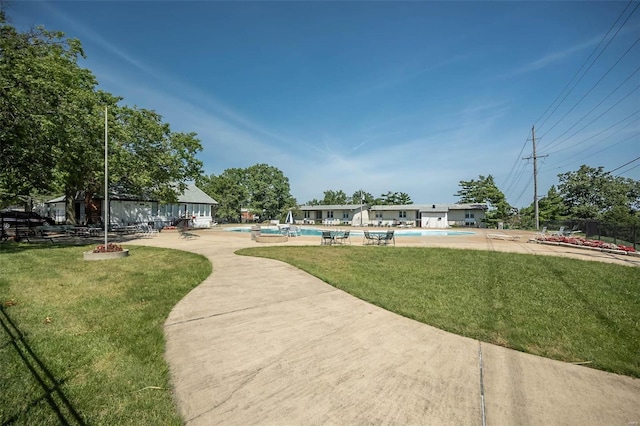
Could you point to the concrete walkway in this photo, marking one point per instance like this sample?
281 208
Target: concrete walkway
261 342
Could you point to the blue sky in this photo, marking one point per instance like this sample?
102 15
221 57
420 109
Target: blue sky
381 96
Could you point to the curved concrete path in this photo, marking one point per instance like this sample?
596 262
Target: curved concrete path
261 342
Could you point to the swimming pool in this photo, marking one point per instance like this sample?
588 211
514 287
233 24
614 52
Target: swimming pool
317 232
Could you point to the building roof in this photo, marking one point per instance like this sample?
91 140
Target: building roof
430 207
191 195
194 195
333 207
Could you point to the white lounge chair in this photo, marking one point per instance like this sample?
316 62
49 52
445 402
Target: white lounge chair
503 237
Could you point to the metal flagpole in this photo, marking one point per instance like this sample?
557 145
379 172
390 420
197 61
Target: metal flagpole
106 183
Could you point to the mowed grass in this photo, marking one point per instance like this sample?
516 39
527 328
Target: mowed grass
565 309
82 342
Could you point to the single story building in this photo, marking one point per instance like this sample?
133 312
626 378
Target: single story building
193 204
410 215
335 214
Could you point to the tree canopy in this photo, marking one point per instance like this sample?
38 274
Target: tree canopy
339 197
52 128
484 190
592 193
262 189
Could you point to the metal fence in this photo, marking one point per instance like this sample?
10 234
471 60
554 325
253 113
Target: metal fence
595 230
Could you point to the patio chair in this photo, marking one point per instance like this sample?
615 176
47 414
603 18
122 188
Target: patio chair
387 238
294 231
343 238
327 238
369 239
559 232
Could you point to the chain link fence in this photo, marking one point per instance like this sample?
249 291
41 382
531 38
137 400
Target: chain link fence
595 230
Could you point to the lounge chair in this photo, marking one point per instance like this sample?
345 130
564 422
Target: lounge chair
542 233
503 237
559 232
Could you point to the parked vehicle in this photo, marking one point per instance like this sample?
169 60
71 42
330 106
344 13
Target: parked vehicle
15 218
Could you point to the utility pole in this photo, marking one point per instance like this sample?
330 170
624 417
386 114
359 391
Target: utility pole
535 176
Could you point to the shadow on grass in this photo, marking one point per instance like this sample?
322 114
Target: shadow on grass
64 409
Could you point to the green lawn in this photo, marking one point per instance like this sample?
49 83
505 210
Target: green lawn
82 342
566 309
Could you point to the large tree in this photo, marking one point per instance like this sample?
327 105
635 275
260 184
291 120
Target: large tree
228 190
550 208
394 198
484 190
262 189
46 110
52 128
269 191
592 193
333 198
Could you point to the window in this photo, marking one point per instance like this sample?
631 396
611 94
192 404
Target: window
306 215
468 215
345 215
378 215
330 215
402 215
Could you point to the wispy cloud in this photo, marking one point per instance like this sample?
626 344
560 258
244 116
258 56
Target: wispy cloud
552 58
224 115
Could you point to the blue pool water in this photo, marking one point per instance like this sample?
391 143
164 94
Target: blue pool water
316 232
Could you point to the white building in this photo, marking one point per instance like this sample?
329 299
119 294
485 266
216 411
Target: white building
193 204
419 215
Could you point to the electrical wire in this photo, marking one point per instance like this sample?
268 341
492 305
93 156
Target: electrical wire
625 164
594 108
578 159
593 136
585 62
594 86
628 170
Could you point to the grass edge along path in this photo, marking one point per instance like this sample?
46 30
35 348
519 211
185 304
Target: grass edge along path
560 308
83 342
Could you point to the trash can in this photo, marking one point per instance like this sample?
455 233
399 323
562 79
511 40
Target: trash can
255 231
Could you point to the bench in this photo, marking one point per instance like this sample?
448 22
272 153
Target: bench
31 235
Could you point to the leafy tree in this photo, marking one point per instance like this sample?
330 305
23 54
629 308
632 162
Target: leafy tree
592 193
550 208
45 109
338 197
146 157
484 190
52 128
269 191
228 191
364 197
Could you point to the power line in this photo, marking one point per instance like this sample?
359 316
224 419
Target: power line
597 134
594 108
596 119
628 170
585 62
594 86
574 160
625 164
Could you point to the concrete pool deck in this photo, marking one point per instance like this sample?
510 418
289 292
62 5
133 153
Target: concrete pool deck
261 342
